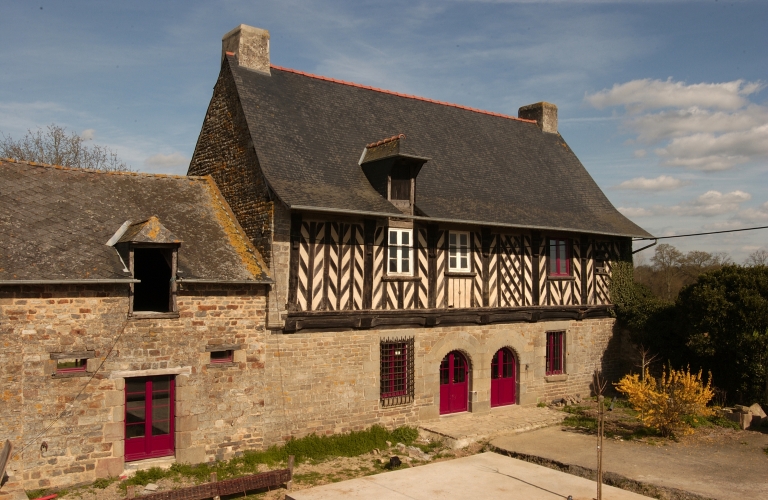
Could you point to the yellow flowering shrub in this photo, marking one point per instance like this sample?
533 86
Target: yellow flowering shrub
663 403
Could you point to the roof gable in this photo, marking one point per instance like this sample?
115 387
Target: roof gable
149 231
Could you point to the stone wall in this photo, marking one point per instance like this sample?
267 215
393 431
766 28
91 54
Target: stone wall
328 382
279 386
81 419
225 151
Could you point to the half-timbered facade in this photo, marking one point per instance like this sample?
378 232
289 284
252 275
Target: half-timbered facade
428 258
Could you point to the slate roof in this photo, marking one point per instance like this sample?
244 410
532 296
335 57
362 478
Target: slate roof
309 133
55 223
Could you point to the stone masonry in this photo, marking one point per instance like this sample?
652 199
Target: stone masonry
218 407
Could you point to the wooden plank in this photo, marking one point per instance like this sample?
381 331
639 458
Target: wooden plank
369 233
584 277
432 253
5 457
535 241
293 272
486 237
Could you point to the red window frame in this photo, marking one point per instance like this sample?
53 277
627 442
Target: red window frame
555 353
224 356
394 369
80 365
559 257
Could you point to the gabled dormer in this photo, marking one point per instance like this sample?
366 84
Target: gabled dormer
150 252
392 171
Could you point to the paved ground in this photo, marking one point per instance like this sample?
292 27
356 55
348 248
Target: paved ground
487 475
462 429
733 465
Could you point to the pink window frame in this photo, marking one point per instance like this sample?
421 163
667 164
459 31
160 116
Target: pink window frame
558 257
555 353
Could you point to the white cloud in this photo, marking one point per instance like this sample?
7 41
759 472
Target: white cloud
660 183
640 153
640 95
759 214
703 126
88 134
711 203
635 211
166 161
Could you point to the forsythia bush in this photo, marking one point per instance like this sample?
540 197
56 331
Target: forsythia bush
663 403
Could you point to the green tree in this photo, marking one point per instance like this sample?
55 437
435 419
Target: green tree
56 146
723 318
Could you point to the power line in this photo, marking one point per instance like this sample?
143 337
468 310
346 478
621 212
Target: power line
702 234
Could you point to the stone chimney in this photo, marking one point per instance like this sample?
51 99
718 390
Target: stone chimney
544 113
250 45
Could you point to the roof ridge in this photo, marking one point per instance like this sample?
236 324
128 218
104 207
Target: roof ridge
94 171
399 94
385 141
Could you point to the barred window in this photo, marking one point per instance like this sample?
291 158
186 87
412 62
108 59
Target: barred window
555 344
397 371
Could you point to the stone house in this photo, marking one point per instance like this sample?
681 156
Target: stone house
131 323
428 258
339 256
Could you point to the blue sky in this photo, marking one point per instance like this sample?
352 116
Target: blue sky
665 102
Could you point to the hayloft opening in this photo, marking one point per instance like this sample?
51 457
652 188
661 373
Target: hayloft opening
152 266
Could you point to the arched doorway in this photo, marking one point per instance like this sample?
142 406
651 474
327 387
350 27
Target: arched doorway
503 378
454 373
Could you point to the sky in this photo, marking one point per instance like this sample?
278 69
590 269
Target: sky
664 102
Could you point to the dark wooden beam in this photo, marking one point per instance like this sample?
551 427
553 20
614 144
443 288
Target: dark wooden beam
432 264
293 274
369 233
535 244
486 238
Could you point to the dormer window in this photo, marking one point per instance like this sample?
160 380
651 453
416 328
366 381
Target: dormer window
392 171
152 266
152 255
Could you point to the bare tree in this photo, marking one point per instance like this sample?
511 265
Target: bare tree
56 146
757 258
667 260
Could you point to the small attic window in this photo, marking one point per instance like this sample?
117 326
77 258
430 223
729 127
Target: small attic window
152 252
400 183
153 268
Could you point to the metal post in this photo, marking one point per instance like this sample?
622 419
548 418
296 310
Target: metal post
600 428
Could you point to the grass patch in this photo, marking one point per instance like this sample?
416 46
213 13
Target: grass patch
310 448
582 421
723 422
429 447
308 478
104 482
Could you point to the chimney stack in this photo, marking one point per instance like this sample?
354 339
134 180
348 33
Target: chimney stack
544 113
250 45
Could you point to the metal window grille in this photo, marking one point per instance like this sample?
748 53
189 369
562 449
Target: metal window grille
555 353
397 371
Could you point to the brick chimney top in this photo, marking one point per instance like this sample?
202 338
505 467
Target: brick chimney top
544 113
250 45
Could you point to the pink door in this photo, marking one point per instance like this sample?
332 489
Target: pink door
453 383
503 378
149 403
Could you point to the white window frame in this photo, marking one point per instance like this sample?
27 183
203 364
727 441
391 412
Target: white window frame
396 250
457 252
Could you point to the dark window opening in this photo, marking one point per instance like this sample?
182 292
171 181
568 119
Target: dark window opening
397 370
555 344
71 365
400 183
221 356
152 266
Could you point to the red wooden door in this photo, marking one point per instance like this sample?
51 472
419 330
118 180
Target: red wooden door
503 378
149 405
453 383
